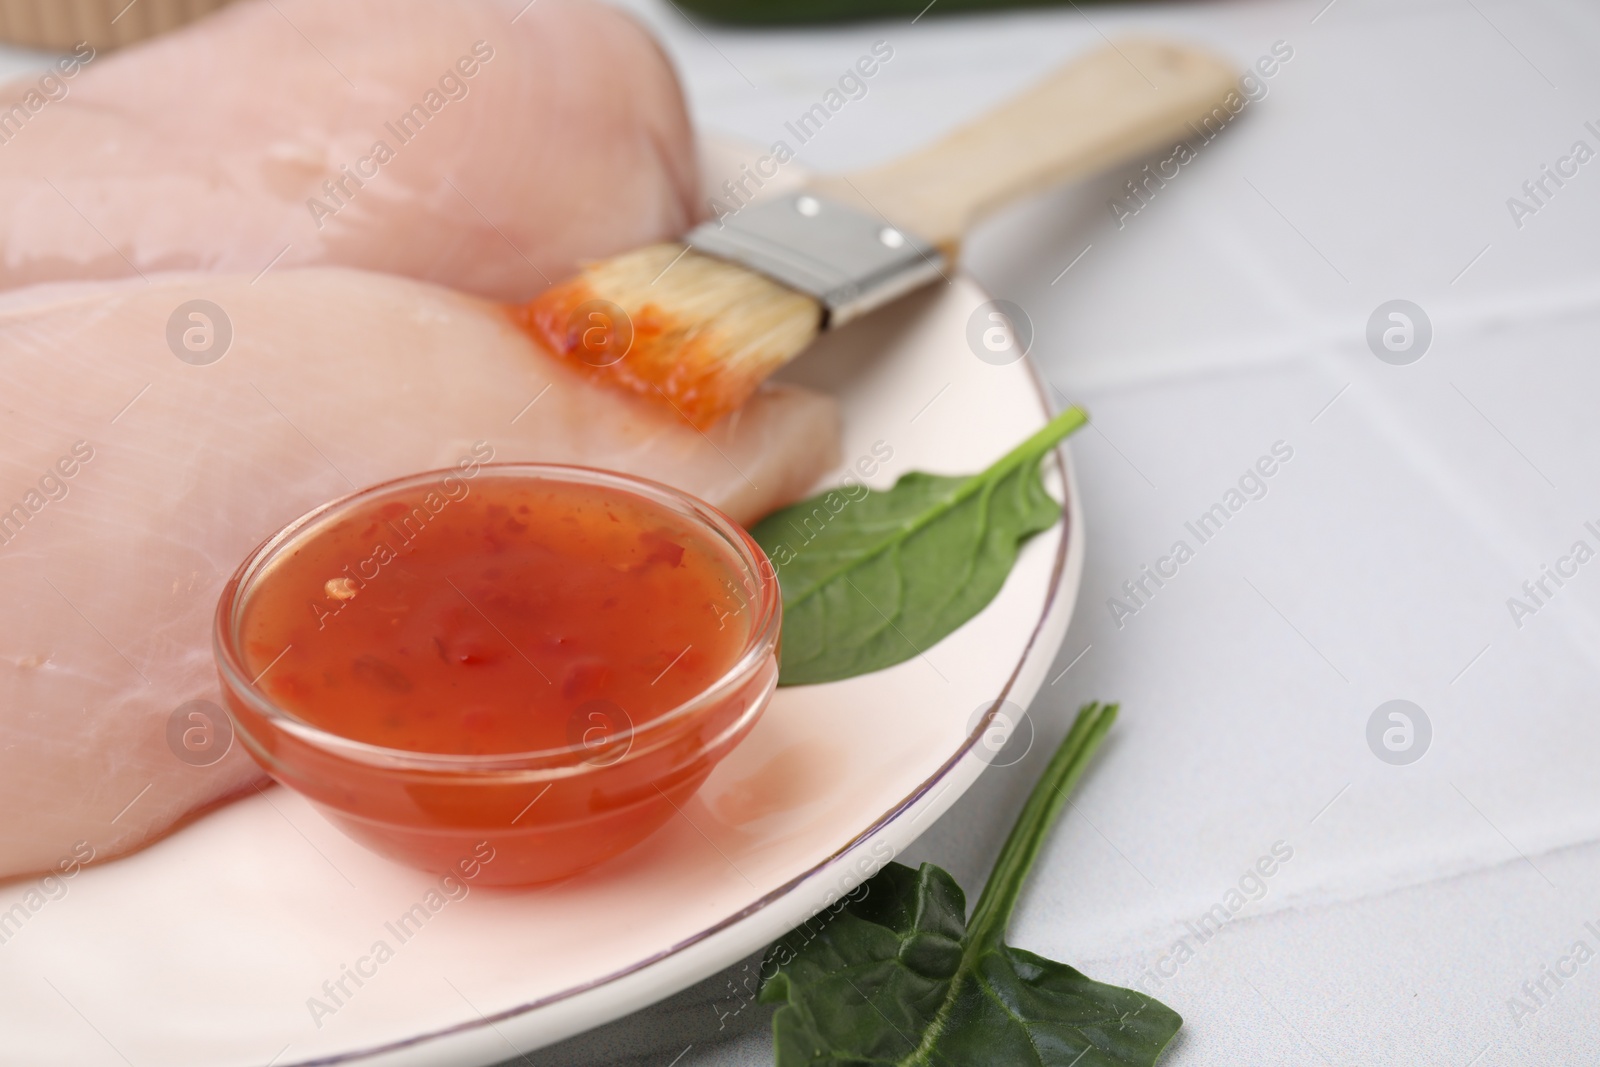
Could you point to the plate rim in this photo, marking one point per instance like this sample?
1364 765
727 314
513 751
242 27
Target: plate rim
1070 538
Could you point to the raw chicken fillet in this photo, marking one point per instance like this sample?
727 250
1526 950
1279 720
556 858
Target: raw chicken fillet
487 146
138 469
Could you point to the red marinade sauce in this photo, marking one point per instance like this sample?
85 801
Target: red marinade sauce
496 621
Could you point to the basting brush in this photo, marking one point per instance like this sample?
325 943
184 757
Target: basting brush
702 323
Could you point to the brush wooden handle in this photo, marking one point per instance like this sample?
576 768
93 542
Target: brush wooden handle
1112 106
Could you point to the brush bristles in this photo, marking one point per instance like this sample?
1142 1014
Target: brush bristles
699 332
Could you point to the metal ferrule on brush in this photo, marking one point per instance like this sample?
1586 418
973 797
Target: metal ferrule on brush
848 261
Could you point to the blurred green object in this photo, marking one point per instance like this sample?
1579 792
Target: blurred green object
778 12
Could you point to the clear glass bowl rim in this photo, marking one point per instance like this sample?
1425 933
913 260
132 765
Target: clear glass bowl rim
763 640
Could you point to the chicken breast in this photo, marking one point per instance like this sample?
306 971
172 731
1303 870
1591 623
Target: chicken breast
488 146
155 432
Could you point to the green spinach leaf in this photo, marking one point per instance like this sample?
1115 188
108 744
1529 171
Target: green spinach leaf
899 978
873 577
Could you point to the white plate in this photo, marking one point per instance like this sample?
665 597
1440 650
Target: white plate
206 949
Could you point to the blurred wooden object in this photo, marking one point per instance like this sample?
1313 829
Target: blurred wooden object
59 25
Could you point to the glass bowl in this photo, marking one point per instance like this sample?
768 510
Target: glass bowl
524 817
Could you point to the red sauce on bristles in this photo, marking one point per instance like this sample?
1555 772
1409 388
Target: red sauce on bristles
686 330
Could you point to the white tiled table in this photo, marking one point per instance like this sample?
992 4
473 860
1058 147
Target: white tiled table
1227 315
